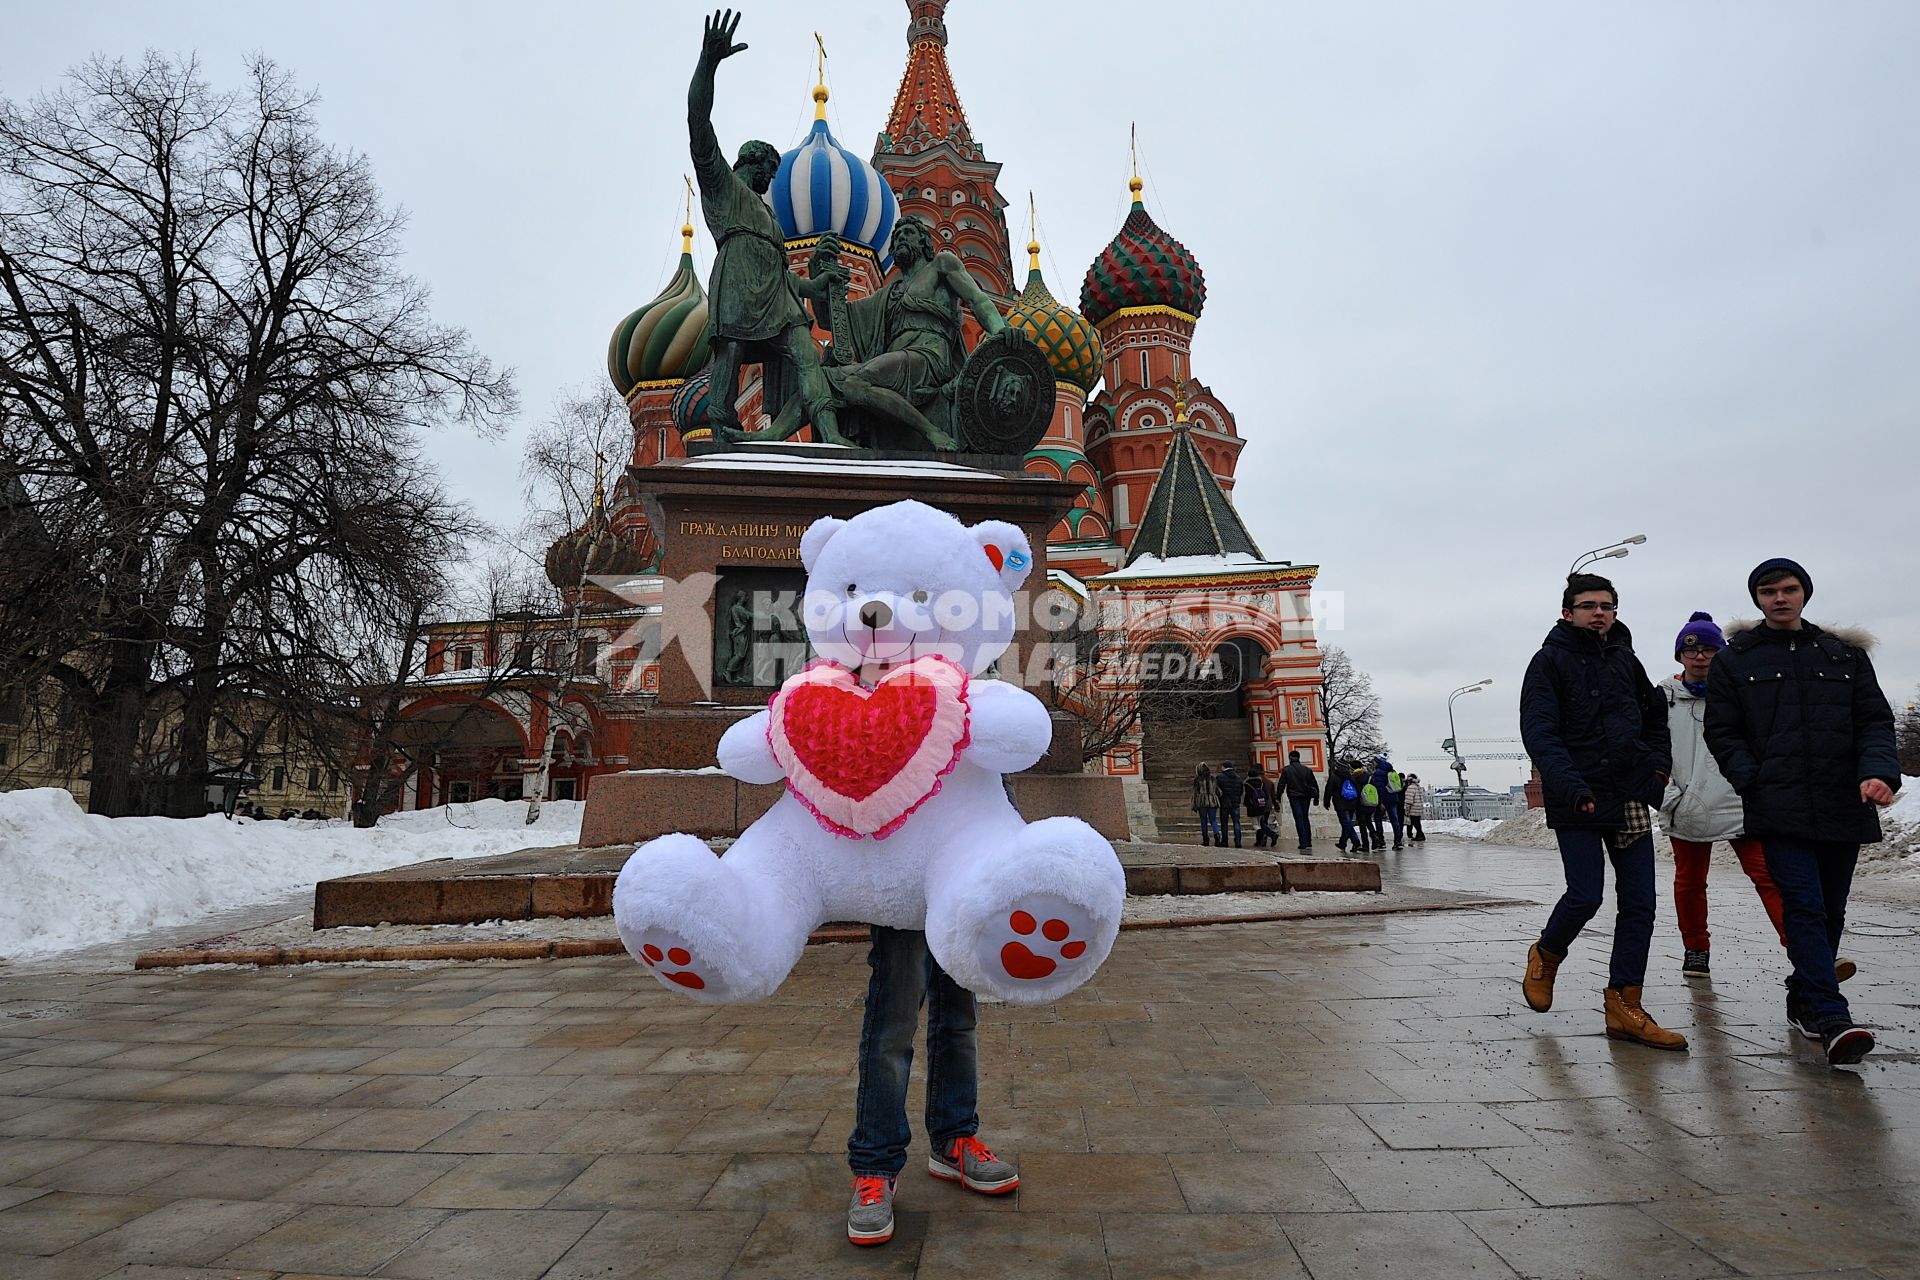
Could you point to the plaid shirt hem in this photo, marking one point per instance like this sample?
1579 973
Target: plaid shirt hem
1639 823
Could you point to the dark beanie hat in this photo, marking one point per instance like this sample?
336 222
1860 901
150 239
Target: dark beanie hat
1699 633
1766 567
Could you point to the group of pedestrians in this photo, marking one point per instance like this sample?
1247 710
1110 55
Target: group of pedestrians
1370 800
1774 736
1219 797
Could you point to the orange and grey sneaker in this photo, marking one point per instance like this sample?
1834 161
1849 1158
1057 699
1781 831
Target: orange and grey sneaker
870 1214
968 1162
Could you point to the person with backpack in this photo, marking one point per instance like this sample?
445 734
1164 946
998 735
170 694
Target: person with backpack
1344 799
1232 788
1366 810
1260 808
1302 793
1388 781
1595 726
1413 803
1797 723
1206 803
1700 806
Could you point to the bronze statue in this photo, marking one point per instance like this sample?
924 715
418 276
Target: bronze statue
896 354
754 307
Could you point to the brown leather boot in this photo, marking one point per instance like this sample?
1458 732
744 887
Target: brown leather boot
1537 986
1626 1020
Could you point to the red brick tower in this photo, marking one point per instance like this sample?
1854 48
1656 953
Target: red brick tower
928 155
1144 294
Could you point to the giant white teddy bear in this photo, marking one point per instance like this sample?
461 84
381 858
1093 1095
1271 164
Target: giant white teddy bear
892 747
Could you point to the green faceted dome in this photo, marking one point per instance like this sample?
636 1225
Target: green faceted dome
1143 266
667 338
1072 346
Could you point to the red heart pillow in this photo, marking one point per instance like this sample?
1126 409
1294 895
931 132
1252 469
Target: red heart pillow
863 759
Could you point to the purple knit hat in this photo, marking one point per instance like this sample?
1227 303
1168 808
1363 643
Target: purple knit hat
1699 633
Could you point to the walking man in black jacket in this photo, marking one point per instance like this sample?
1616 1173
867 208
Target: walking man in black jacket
1232 788
1302 793
1797 723
1597 730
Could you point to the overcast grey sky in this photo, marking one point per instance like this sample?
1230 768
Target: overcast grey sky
1489 283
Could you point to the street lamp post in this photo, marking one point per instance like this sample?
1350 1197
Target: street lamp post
1459 765
1612 551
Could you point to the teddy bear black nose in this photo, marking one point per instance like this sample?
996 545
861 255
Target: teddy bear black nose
875 614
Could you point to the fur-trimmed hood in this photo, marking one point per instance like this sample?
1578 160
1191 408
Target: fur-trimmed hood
1859 637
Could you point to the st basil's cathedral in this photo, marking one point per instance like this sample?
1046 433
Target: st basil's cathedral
1153 542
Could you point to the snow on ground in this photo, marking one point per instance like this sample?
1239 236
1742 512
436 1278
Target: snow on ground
1463 828
1897 854
69 879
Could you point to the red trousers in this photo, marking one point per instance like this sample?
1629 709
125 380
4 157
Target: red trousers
1690 860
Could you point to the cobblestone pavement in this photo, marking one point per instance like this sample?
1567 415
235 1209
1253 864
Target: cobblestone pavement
1348 1097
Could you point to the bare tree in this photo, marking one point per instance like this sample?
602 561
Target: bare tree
1351 709
392 746
1110 682
586 432
211 363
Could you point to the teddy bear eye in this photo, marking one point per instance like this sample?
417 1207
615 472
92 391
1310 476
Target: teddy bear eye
920 597
852 590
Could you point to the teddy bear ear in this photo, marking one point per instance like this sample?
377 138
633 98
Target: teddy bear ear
1006 549
815 539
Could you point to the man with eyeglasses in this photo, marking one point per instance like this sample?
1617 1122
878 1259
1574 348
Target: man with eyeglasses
1798 724
1597 730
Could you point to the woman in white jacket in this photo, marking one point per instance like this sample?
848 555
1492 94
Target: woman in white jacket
1701 806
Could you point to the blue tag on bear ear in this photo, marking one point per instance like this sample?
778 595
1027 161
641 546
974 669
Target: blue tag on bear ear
1016 560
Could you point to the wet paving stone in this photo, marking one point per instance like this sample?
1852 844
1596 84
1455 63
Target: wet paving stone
1358 1096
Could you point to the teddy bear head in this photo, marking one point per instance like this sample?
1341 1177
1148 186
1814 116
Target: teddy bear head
907 580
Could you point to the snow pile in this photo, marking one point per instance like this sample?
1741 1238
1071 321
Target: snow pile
1897 853
70 879
1899 849
1525 830
1464 828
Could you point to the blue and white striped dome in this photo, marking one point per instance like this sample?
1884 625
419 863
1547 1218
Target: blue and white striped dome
822 186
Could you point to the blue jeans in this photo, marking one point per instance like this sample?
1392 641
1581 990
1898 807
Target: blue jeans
1233 813
1584 856
1349 833
904 978
1814 878
1209 825
1393 815
1301 827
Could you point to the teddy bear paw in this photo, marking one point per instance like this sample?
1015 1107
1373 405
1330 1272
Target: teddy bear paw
673 961
1040 938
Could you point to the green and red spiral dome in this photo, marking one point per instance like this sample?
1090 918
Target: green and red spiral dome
1143 266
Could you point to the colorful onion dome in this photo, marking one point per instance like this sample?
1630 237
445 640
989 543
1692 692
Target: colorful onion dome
595 549
589 553
821 186
688 408
1072 346
1142 267
667 338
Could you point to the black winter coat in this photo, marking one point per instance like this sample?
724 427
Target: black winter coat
1231 787
1299 783
1796 722
1594 725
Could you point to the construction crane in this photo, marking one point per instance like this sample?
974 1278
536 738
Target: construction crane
1448 747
